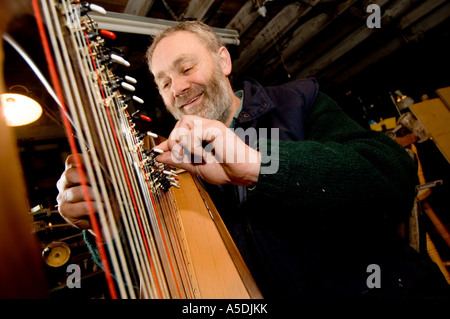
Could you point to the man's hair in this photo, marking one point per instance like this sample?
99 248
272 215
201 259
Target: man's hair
200 29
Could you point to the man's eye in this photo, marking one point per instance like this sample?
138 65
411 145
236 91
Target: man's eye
187 70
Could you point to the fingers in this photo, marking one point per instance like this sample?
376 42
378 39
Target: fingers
74 207
71 177
77 214
74 160
173 160
163 146
75 194
72 203
193 139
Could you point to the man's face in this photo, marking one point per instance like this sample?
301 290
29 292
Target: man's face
190 78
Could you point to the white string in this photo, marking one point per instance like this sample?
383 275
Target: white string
73 100
114 159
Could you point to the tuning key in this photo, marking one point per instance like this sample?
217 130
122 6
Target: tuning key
135 116
175 185
138 99
130 79
157 151
128 86
86 7
118 59
108 34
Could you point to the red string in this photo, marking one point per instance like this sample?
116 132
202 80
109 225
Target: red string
73 148
127 178
159 223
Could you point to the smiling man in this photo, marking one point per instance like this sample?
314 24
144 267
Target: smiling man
191 80
311 228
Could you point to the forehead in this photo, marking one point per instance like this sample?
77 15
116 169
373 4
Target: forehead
179 45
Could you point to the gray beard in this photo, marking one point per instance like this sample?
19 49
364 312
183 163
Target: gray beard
218 102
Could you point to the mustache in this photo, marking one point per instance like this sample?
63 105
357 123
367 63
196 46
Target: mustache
189 96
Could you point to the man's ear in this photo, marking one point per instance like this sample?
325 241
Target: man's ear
225 60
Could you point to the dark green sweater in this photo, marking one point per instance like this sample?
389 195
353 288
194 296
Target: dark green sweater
340 164
331 209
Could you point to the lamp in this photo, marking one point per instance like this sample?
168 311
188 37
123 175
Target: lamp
20 109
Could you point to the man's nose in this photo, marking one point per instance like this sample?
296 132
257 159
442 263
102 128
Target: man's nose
180 86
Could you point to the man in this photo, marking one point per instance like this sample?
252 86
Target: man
316 225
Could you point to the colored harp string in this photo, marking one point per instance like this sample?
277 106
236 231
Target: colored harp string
134 218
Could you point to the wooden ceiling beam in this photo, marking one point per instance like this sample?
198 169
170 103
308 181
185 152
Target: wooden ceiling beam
429 22
302 35
351 41
274 30
419 12
197 9
245 17
138 7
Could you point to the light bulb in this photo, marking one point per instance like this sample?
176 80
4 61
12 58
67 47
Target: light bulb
20 109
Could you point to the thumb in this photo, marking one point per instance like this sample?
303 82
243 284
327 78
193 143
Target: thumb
164 146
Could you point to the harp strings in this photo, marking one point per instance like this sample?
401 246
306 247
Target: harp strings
135 208
74 101
58 89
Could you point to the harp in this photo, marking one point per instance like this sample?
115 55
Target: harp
157 231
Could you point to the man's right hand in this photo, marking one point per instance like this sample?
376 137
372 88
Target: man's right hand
72 204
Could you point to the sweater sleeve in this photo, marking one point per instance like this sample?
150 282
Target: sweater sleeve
92 246
339 165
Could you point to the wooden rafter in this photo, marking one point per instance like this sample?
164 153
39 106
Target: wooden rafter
274 30
352 40
244 18
138 7
197 9
303 34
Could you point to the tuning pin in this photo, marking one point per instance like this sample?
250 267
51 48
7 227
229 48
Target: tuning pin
170 173
92 34
175 185
165 185
138 99
168 181
115 85
97 9
118 59
126 99
149 160
152 134
86 7
140 136
152 153
140 143
107 59
135 116
108 34
128 86
130 79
